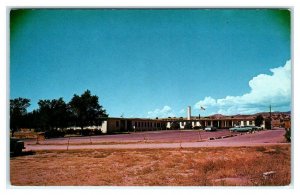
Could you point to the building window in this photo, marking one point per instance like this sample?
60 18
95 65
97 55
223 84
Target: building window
117 123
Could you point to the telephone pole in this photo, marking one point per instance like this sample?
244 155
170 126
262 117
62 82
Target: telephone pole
270 116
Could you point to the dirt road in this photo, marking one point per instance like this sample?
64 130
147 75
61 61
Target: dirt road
161 139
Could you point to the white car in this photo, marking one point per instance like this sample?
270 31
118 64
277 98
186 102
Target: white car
210 128
257 128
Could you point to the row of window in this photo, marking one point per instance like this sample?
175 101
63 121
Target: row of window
147 124
143 124
150 124
227 122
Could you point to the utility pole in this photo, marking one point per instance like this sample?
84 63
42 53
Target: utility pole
270 116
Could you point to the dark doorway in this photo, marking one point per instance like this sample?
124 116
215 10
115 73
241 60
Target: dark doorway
215 124
129 126
229 124
122 125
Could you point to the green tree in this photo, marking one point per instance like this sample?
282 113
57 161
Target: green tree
53 114
44 114
32 120
259 120
86 109
59 113
18 109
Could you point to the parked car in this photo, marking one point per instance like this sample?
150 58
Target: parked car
256 128
240 129
210 128
197 127
16 146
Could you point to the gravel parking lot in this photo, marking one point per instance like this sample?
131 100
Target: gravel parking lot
161 139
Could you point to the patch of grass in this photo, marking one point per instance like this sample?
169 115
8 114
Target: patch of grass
158 167
260 149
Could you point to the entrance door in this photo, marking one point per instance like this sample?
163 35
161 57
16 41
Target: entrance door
122 125
129 126
215 124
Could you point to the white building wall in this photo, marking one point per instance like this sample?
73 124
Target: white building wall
264 124
168 124
104 127
182 125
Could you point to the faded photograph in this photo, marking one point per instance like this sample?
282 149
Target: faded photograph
150 97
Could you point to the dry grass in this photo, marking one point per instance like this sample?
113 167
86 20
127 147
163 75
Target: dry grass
148 167
25 135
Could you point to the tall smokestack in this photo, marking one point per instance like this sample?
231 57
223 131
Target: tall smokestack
188 113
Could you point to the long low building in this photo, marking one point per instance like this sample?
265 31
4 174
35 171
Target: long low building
219 122
113 124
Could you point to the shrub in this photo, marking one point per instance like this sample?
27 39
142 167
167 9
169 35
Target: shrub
70 131
97 132
54 134
86 132
287 134
259 120
268 124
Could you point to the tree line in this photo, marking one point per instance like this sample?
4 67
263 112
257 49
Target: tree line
81 111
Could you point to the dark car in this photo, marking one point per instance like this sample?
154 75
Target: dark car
16 146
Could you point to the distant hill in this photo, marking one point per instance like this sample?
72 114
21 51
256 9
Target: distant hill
276 112
264 114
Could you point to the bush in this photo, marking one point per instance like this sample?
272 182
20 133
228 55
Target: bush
287 134
97 132
268 124
259 120
70 131
86 132
54 134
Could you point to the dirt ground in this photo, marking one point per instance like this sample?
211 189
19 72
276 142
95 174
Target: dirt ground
203 166
160 139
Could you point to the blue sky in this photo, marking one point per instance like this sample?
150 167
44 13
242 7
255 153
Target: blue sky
148 63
